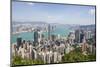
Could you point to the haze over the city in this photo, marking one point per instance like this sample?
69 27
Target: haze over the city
53 13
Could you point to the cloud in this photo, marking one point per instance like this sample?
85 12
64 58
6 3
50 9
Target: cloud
54 18
31 3
50 17
92 11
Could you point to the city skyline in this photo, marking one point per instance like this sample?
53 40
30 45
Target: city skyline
53 13
39 33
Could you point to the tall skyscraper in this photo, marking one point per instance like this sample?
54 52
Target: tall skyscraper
81 37
19 41
36 36
88 34
71 37
77 36
53 37
49 31
40 38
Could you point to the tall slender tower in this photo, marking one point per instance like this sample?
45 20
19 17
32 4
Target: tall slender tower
36 36
77 36
49 31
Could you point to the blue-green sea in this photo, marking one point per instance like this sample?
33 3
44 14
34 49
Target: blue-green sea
60 29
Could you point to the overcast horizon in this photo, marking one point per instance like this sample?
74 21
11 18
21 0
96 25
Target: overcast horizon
53 13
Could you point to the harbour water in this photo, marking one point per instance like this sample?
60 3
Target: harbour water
62 30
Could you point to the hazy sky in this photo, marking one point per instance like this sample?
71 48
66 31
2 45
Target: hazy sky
53 13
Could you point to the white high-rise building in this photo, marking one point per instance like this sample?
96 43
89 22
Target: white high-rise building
67 49
30 51
35 54
43 56
24 46
88 34
55 57
23 52
19 51
50 55
59 57
47 57
40 36
59 36
27 53
14 50
62 48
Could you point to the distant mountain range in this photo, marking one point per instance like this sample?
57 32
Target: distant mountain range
35 22
40 22
92 25
88 26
